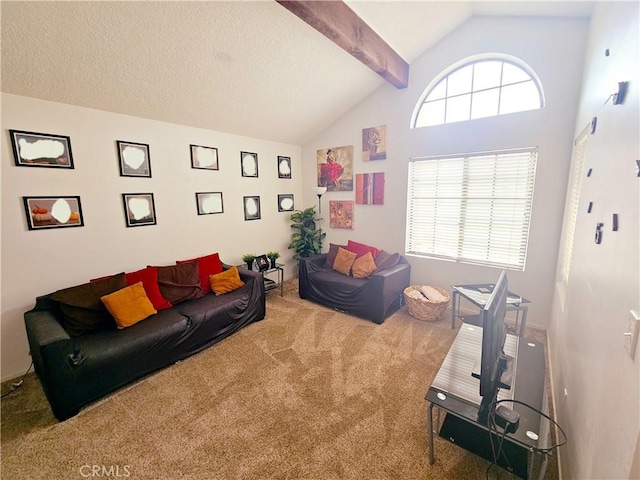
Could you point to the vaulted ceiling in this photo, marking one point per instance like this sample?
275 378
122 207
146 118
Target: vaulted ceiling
247 68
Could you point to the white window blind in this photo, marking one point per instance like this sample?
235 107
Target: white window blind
573 198
473 208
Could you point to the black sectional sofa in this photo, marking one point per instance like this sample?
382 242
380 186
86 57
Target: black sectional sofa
77 370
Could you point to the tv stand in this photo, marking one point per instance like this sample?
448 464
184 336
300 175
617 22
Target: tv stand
456 392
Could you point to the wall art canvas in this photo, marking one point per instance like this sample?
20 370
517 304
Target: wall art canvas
53 212
32 149
374 143
335 168
285 202
370 188
249 164
204 157
251 208
341 214
209 203
284 167
134 159
139 209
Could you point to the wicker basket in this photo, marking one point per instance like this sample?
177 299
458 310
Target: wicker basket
425 309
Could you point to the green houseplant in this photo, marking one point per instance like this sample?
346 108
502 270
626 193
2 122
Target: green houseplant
273 256
306 239
248 259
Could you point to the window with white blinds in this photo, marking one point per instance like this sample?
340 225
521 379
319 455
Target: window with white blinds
473 208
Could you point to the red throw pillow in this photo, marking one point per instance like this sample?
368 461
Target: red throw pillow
361 249
149 278
207 265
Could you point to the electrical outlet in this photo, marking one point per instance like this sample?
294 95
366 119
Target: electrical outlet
631 333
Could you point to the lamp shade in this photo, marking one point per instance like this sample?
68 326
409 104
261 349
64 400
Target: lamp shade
321 191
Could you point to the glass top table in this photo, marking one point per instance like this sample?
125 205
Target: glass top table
478 294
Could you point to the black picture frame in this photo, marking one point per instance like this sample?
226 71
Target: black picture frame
139 214
204 158
249 164
284 167
251 205
134 159
262 262
209 203
45 212
54 151
285 202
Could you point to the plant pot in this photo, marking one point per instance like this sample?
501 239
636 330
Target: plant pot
273 262
250 265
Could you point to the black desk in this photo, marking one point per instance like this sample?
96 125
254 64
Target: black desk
456 392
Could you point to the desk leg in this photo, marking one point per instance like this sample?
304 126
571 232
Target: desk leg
454 296
281 279
524 320
430 428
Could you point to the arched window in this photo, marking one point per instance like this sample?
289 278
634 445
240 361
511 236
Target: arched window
479 86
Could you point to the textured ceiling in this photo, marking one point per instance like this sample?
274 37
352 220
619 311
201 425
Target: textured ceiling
248 68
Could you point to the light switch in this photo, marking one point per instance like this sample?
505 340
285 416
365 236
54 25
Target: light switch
631 333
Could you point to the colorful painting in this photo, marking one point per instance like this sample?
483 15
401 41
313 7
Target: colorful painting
370 188
374 143
335 168
53 212
32 149
341 214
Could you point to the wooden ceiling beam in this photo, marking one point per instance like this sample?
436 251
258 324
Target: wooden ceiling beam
336 21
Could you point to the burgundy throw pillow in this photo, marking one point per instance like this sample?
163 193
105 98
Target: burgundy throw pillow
149 278
386 260
179 282
331 254
207 265
361 249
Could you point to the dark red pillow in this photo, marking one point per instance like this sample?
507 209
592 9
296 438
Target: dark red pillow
386 260
207 265
149 278
331 254
361 249
179 282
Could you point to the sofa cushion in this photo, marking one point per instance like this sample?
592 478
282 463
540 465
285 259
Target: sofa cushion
386 260
225 282
331 254
180 282
360 249
364 266
129 305
344 260
207 265
149 278
81 307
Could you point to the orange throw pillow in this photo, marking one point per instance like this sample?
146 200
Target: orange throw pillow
344 260
226 282
129 305
363 266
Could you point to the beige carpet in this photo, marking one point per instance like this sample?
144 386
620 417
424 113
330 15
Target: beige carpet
308 393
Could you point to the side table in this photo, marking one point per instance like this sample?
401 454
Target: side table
270 284
478 294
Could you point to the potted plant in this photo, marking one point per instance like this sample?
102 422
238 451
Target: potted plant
306 240
273 256
249 258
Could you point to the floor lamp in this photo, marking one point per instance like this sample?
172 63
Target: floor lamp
319 192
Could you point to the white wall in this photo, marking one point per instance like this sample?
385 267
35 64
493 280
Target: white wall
601 412
554 49
38 262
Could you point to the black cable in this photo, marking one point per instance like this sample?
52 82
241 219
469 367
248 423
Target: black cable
541 450
491 425
17 385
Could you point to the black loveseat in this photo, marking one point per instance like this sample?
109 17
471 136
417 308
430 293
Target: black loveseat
373 298
76 370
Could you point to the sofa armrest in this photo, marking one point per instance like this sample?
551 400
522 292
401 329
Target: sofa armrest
306 265
388 287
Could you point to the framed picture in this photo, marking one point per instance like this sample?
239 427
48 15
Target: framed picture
134 159
32 149
335 168
53 212
341 214
374 143
205 158
285 202
249 164
370 188
209 203
251 208
139 209
262 262
284 167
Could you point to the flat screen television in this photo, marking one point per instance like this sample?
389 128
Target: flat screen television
495 369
